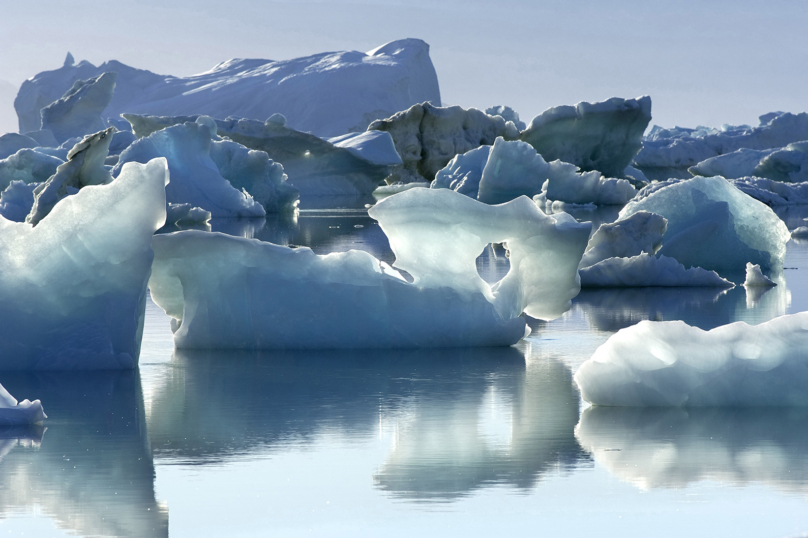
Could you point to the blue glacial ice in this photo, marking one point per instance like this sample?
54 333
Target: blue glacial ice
73 291
78 111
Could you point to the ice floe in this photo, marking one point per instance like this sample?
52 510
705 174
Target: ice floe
673 364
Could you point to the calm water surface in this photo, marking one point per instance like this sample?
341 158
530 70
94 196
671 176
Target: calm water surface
467 442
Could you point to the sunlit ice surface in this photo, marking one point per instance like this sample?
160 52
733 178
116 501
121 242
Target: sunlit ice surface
405 442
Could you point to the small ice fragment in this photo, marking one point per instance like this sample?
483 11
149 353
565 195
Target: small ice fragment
755 277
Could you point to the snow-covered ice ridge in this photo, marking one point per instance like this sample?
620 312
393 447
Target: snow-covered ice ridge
328 94
73 291
673 364
228 292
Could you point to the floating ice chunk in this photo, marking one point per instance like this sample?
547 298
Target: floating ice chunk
601 136
464 172
328 94
427 137
11 143
228 292
195 179
376 147
186 214
733 165
78 112
667 153
17 200
647 270
673 364
253 171
789 164
28 166
713 225
773 193
635 174
511 169
13 413
84 166
507 114
73 290
389 190
639 233
755 277
800 232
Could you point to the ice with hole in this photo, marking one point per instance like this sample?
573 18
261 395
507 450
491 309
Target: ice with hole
670 363
73 291
713 225
14 413
230 292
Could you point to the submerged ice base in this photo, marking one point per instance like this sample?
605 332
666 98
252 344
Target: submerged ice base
228 292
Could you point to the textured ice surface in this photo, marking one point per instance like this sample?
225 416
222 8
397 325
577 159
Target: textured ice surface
648 270
376 147
84 166
28 166
73 291
195 179
228 292
510 169
328 94
17 200
11 143
427 137
755 277
601 136
78 112
713 225
638 233
507 114
733 165
673 364
773 193
674 151
789 164
14 413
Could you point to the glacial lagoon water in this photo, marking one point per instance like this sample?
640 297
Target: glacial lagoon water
463 442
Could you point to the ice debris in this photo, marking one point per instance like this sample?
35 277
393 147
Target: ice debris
755 277
228 292
601 136
659 364
14 413
73 291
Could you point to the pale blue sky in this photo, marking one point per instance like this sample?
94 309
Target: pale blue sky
702 62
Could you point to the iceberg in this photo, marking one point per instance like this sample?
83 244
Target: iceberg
661 364
789 164
73 291
755 277
713 225
427 137
195 179
669 153
328 94
637 233
11 143
773 193
14 413
507 114
510 169
800 232
229 292
28 166
740 163
601 136
645 270
78 112
84 166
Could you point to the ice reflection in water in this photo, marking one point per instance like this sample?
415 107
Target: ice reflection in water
462 418
91 471
672 448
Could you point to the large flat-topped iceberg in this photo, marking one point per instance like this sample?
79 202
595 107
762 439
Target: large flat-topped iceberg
73 291
427 137
712 224
658 364
328 94
601 136
228 292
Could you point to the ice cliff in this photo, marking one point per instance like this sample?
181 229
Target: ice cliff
228 292
328 94
73 291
